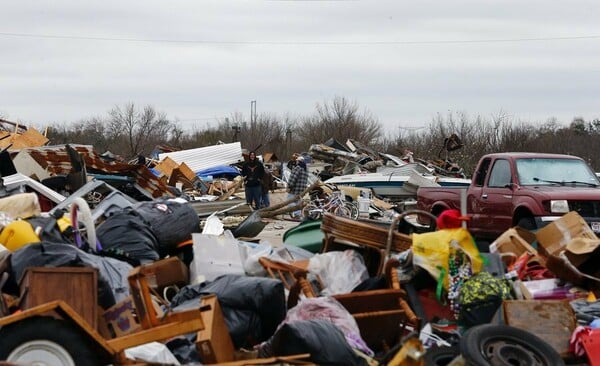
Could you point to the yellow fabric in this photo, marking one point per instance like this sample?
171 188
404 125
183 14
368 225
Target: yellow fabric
431 251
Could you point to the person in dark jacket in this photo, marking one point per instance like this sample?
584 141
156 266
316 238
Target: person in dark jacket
253 172
267 184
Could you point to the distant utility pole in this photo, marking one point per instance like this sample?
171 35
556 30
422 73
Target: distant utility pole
253 111
288 140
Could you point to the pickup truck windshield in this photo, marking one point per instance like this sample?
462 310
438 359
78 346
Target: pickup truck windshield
555 171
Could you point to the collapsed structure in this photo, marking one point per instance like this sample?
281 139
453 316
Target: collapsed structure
105 262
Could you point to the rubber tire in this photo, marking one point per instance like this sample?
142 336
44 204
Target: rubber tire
53 330
311 212
476 347
441 356
354 213
342 211
527 223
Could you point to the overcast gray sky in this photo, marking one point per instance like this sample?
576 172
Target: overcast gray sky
403 61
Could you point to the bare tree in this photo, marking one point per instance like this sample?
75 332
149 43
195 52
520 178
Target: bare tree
139 130
339 119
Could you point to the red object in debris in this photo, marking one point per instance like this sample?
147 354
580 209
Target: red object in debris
450 219
591 343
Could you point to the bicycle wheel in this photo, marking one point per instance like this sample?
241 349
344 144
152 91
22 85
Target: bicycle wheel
342 211
353 207
311 212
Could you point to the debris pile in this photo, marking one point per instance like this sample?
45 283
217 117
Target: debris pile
107 262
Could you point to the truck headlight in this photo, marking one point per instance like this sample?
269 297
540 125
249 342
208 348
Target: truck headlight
559 206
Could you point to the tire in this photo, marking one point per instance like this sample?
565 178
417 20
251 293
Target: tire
354 213
311 212
527 223
491 344
441 356
47 341
342 211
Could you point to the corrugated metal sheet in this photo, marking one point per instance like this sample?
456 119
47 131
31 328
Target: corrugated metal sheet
207 157
55 160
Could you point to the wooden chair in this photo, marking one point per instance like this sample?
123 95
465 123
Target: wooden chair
381 315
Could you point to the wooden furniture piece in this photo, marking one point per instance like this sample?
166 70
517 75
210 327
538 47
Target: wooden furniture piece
76 286
369 239
381 315
213 343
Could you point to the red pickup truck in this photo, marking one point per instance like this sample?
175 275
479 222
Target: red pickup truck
525 189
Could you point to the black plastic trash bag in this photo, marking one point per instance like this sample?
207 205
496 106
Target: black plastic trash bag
112 274
127 236
322 339
253 307
172 222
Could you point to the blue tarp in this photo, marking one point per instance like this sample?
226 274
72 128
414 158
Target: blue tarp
220 171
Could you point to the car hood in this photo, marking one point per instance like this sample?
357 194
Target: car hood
566 192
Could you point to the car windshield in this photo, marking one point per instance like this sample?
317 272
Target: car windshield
553 171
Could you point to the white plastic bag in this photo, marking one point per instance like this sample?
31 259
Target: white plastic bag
253 253
153 352
213 226
340 272
215 256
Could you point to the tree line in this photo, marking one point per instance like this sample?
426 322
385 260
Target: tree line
130 131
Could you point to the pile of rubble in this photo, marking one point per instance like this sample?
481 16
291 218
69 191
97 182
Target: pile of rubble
106 262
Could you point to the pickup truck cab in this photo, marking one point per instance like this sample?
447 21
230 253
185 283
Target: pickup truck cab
525 189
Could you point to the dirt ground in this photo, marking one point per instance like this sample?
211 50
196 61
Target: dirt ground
276 227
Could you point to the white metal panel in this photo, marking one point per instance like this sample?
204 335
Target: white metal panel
207 157
16 181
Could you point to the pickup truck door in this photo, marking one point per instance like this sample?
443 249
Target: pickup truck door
494 204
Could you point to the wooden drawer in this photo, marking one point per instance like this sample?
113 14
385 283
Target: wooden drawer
76 286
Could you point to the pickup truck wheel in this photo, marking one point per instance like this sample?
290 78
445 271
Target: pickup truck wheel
527 223
45 341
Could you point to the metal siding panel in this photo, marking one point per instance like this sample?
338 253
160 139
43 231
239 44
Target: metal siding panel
208 156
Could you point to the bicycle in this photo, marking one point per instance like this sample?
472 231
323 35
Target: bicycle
335 204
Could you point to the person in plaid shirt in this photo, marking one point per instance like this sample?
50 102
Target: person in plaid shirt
297 183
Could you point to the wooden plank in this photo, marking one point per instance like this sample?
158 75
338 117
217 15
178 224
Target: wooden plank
166 166
76 286
29 138
214 343
64 311
158 333
187 172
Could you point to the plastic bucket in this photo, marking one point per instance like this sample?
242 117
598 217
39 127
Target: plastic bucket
17 234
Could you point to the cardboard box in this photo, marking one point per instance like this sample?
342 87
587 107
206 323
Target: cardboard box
551 320
554 237
120 318
515 240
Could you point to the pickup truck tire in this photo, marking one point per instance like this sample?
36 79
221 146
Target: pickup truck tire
492 344
527 223
46 341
